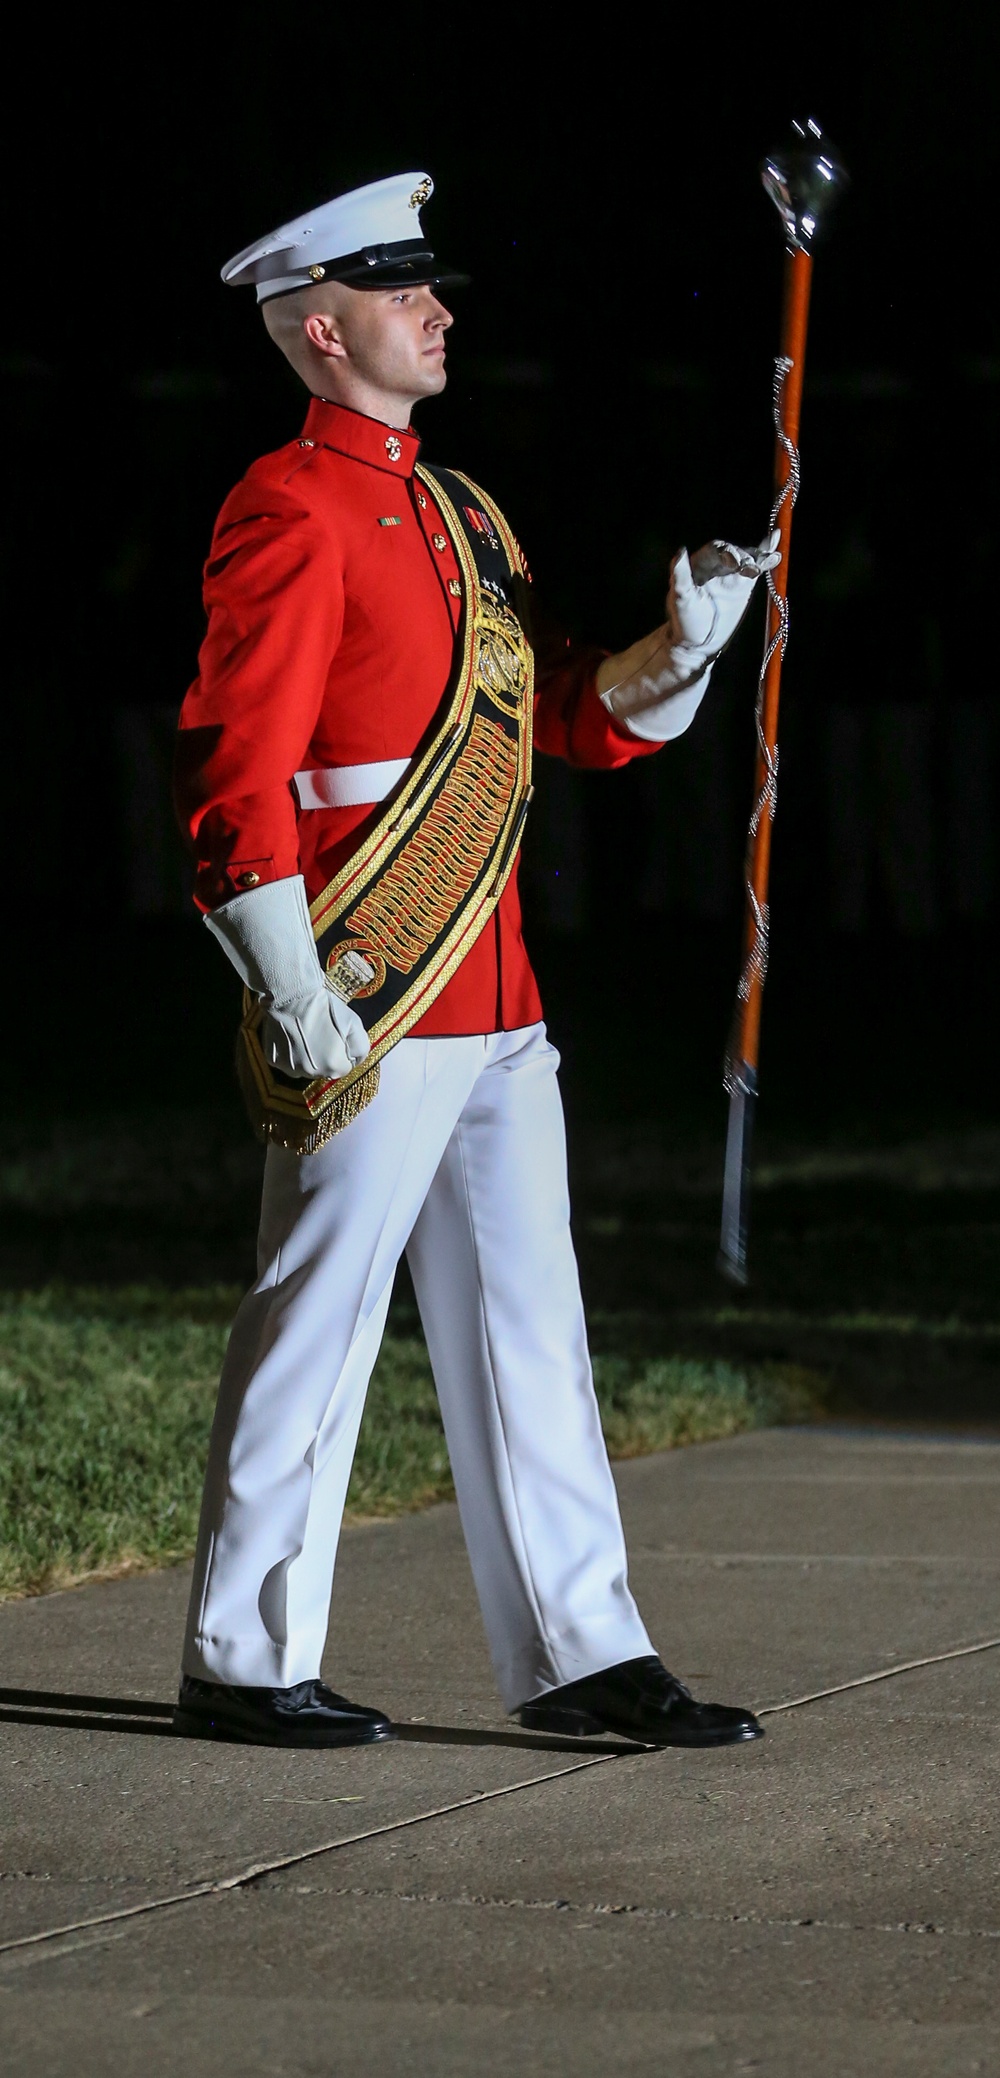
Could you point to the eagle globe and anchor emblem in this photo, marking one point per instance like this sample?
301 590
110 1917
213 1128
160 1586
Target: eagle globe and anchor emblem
500 665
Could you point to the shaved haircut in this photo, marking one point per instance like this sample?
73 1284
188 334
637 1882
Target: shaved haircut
284 317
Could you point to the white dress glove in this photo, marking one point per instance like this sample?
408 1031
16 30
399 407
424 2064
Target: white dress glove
306 1030
660 683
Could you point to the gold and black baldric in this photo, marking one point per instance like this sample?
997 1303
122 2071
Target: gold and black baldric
396 921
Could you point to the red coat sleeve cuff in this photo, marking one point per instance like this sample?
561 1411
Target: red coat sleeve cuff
572 723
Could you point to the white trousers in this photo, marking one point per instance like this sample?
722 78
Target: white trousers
461 1161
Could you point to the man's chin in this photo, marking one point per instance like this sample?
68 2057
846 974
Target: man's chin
431 385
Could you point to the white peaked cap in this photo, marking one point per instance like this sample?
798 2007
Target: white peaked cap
370 238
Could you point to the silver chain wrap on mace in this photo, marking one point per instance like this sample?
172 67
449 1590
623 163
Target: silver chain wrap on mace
755 964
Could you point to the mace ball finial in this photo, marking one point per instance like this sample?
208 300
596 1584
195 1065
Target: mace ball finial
804 178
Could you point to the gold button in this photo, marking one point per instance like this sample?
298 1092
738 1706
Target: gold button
307 443
421 501
247 879
440 541
454 587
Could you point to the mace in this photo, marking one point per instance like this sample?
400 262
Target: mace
803 181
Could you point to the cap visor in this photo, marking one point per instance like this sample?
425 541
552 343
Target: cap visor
400 274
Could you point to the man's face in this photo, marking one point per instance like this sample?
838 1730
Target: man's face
394 339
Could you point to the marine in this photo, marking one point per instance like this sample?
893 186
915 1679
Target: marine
353 772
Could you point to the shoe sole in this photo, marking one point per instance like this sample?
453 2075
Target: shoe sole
189 1725
578 1724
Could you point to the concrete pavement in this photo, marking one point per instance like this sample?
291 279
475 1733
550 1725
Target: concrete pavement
823 1902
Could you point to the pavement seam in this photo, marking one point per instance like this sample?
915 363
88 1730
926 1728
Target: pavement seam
724 1560
215 1887
932 1659
604 1910
219 1886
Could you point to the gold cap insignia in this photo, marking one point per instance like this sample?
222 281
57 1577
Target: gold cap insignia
316 273
422 193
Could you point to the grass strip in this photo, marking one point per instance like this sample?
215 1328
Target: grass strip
106 1400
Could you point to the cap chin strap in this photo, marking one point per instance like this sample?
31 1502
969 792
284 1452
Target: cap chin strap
376 260
407 263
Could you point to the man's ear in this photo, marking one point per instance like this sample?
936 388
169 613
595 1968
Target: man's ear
322 332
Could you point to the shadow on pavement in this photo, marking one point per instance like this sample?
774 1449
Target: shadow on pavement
154 1720
532 1742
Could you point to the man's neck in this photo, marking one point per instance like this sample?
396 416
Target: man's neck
382 405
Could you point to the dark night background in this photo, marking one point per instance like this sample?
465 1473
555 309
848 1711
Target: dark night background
610 384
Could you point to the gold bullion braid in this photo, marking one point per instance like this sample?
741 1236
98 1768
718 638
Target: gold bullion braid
416 899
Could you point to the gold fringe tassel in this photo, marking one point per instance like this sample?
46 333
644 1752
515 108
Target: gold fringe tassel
302 1134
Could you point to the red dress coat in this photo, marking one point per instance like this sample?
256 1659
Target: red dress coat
331 641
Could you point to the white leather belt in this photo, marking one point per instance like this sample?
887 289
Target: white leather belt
349 786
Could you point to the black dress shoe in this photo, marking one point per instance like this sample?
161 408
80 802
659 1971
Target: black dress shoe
638 1700
308 1714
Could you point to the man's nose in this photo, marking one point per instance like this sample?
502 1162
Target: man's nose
440 318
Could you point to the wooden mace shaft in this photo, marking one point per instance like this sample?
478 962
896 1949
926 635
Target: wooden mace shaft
745 1043
795 318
